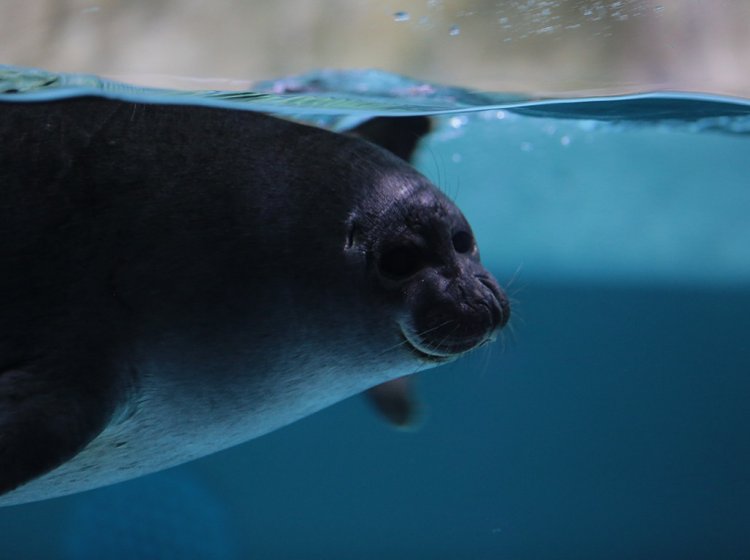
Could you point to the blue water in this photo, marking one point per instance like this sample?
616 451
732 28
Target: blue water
612 422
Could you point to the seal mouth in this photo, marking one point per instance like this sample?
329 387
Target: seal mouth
445 331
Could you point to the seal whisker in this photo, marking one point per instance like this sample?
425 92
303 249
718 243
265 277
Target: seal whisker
406 342
507 337
438 169
487 360
437 345
446 336
436 327
393 347
514 277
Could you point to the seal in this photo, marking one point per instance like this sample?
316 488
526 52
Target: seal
180 279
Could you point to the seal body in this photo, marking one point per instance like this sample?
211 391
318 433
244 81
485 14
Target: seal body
177 280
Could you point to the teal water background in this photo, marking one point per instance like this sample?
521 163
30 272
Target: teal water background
612 422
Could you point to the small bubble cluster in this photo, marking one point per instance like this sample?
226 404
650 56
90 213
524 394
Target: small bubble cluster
527 18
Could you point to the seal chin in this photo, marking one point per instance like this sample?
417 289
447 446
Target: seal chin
422 351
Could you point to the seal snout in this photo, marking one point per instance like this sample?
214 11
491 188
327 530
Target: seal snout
448 320
501 306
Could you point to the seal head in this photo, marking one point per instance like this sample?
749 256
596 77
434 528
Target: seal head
424 259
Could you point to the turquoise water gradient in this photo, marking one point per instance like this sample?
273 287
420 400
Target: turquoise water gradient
582 200
611 421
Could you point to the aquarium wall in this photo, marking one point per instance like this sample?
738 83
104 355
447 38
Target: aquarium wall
530 46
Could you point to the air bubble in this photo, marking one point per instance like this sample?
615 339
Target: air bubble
458 121
454 30
401 16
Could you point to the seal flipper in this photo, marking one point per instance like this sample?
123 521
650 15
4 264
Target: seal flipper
395 401
44 421
398 135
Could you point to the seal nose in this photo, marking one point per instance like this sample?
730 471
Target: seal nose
500 307
462 314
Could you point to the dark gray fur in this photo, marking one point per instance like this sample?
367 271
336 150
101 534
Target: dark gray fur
170 273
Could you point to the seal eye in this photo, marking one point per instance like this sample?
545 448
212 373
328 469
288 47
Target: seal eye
401 262
463 242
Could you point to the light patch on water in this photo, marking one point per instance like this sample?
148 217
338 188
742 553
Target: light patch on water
604 201
458 121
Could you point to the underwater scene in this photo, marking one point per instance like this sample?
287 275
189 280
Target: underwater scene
607 417
610 420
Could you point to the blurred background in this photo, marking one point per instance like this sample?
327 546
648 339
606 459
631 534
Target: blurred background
535 46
